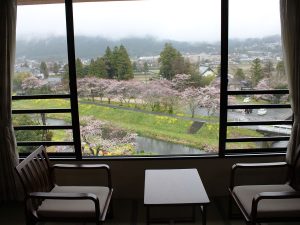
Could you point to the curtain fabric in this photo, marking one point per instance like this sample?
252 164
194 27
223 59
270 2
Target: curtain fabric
8 154
290 32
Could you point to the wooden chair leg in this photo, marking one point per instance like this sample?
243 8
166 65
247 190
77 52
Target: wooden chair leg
110 213
30 221
230 207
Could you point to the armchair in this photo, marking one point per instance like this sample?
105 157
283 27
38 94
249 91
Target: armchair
267 203
47 201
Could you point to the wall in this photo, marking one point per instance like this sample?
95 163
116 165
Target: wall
128 175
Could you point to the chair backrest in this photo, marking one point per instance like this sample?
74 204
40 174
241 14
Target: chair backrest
34 172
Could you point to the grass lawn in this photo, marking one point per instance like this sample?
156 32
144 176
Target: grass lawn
178 110
155 126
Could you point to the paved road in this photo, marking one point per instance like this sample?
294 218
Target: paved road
272 114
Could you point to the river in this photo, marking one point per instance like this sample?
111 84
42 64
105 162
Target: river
158 147
151 145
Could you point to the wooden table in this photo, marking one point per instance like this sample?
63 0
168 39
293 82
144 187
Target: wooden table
174 187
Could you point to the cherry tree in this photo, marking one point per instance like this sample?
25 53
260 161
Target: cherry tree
102 85
210 99
83 87
191 97
151 96
181 81
264 84
169 99
32 84
102 138
156 93
111 91
133 90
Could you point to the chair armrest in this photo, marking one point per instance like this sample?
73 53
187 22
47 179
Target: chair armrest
82 166
271 195
86 166
237 166
67 196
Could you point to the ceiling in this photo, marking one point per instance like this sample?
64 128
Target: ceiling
34 2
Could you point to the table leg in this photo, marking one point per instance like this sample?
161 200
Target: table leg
148 215
194 213
203 211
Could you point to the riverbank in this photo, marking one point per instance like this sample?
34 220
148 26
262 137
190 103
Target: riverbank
161 127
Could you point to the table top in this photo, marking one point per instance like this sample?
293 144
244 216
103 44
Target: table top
174 186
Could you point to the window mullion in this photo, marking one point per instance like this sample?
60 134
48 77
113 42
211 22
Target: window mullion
72 78
224 77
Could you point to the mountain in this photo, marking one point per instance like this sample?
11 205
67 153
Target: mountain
55 48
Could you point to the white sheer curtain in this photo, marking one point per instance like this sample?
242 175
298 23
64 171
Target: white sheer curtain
290 32
8 154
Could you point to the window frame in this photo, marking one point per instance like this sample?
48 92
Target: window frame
224 106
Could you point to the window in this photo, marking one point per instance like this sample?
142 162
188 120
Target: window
259 115
146 77
130 78
41 106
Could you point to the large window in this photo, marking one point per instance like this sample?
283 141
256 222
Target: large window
149 78
257 100
41 106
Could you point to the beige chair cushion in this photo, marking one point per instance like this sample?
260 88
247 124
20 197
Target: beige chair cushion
268 208
73 208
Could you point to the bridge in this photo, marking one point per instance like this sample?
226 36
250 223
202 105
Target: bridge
275 129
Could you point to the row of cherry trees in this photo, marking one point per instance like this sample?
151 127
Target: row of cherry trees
157 95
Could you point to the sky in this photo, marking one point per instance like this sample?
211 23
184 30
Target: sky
181 20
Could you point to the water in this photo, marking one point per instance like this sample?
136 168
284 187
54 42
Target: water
55 122
159 147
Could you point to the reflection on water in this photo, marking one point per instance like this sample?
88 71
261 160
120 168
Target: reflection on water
55 122
159 147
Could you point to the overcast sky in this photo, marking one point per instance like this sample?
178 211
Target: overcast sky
182 20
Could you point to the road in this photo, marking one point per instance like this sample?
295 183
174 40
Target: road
272 114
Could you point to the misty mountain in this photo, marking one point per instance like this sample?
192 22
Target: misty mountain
55 48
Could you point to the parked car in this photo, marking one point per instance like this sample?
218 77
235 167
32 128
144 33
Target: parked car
261 112
247 99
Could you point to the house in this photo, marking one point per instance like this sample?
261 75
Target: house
206 71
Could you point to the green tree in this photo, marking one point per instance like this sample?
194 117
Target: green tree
280 68
256 71
18 79
30 135
92 68
277 97
44 69
79 68
145 68
268 68
134 67
191 68
108 61
122 64
55 68
239 74
97 68
171 62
